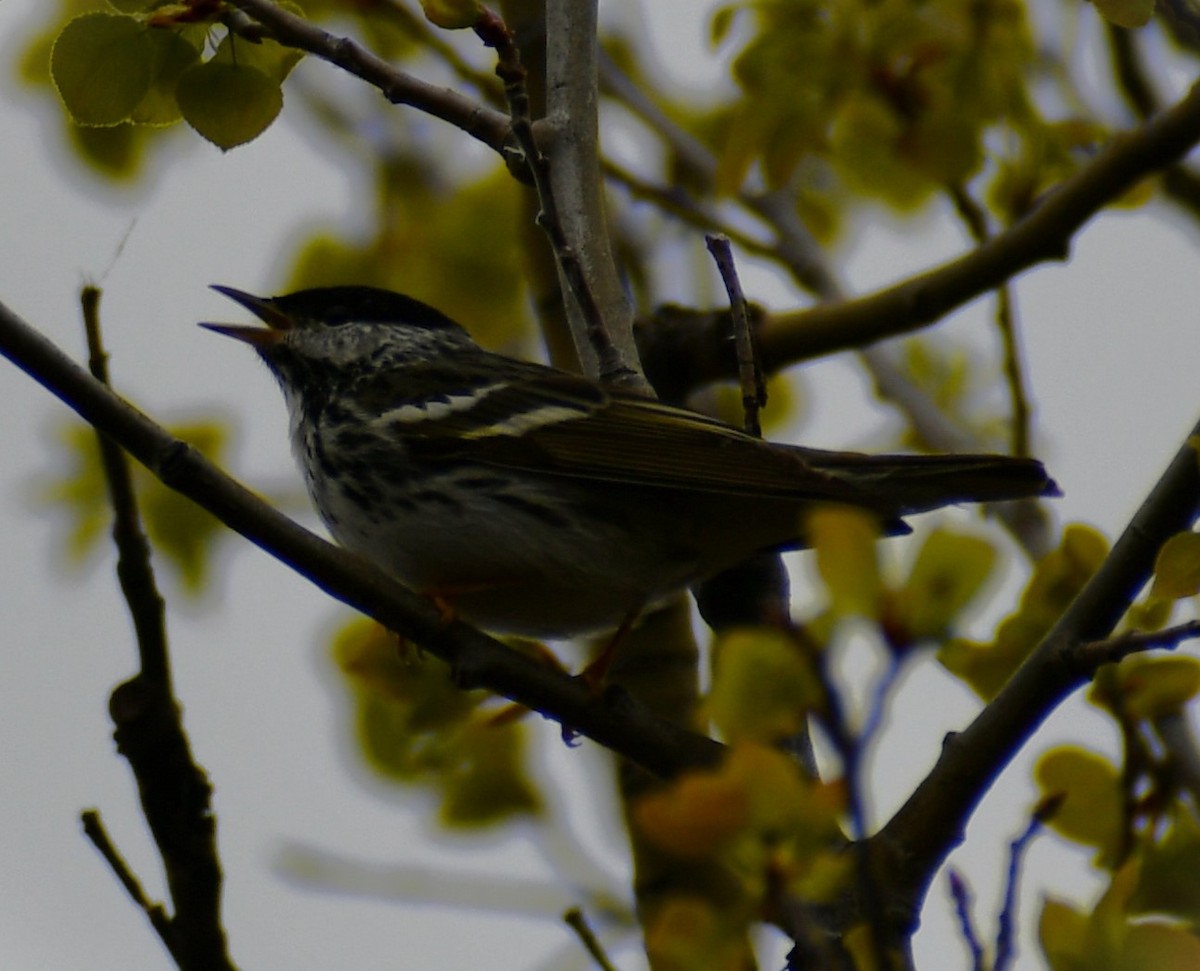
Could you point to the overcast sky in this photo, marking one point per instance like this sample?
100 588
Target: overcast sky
1113 357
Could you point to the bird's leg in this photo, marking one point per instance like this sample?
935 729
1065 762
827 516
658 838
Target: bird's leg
595 673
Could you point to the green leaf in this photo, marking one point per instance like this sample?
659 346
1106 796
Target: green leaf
228 104
763 686
415 726
272 58
1152 687
1092 810
172 55
844 542
101 65
487 782
1126 13
950 570
722 22
176 527
1058 576
452 14
1167 883
1177 568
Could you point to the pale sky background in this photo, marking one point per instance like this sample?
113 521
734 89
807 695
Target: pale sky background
1113 356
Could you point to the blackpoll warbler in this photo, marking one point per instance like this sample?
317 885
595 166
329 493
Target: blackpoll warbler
536 501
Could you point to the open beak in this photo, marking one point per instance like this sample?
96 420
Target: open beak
264 309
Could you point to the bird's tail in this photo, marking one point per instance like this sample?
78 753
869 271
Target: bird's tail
917 483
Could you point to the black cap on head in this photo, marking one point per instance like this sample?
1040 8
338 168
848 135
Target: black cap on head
346 304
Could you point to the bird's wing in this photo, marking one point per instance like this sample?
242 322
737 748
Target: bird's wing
539 419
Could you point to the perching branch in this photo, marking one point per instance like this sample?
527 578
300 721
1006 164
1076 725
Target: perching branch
614 720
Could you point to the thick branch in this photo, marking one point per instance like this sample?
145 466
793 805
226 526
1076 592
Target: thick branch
930 824
486 124
1044 234
615 721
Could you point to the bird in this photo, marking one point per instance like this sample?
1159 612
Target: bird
539 502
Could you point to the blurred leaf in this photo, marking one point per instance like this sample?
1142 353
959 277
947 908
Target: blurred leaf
1109 940
687 933
1152 687
452 14
1168 882
722 22
1177 568
844 542
102 67
488 780
1126 13
1092 811
417 727
228 104
1056 579
1062 933
950 570
755 799
176 527
763 687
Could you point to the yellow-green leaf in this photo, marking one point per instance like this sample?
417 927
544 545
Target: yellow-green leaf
844 542
763 686
228 104
1152 687
172 55
1177 568
1062 933
1056 579
1092 810
102 66
452 14
687 933
949 571
176 527
272 58
1126 13
487 782
1168 881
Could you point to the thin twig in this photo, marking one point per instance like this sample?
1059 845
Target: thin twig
575 919
1006 931
173 790
832 716
680 203
1175 733
973 215
750 374
960 893
94 829
480 122
133 549
1091 655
